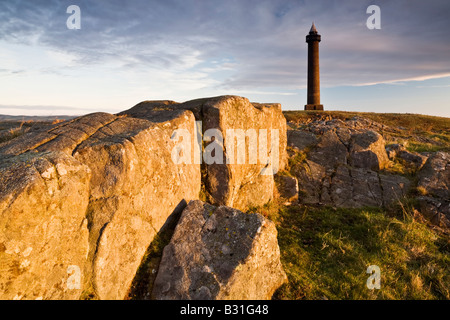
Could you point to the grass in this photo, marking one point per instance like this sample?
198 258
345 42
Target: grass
415 146
11 132
326 252
412 122
296 157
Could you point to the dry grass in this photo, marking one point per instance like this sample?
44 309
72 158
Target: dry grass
326 251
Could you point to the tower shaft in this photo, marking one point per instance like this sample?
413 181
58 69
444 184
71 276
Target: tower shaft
313 102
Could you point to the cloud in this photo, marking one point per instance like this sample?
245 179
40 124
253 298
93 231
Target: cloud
265 40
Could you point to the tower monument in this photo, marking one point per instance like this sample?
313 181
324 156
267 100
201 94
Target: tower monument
313 39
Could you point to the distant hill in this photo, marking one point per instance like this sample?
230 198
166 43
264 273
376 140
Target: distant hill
5 117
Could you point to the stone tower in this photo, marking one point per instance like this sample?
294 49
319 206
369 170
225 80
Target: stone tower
313 39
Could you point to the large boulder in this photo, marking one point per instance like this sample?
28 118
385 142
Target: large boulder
220 253
367 150
228 181
434 177
330 152
300 139
131 189
434 182
43 226
135 187
412 159
436 210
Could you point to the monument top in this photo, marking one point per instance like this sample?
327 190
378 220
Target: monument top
313 29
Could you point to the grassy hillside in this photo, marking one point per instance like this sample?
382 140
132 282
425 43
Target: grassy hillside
325 253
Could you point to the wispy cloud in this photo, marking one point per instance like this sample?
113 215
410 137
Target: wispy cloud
258 45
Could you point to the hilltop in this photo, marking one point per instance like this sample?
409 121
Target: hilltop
423 132
102 192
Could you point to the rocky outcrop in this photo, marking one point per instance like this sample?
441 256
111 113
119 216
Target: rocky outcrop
434 182
111 175
330 152
135 187
81 201
228 181
348 187
342 168
411 159
220 253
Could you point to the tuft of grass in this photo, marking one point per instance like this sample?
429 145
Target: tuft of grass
416 146
401 167
12 133
326 251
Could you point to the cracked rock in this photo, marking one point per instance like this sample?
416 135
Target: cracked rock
236 259
114 172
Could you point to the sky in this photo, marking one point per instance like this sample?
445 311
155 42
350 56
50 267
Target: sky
129 51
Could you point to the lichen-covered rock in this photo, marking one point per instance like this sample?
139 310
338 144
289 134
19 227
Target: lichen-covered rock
300 139
367 150
343 168
330 152
43 226
132 188
434 177
436 210
239 185
220 253
434 181
412 159
135 187
347 186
